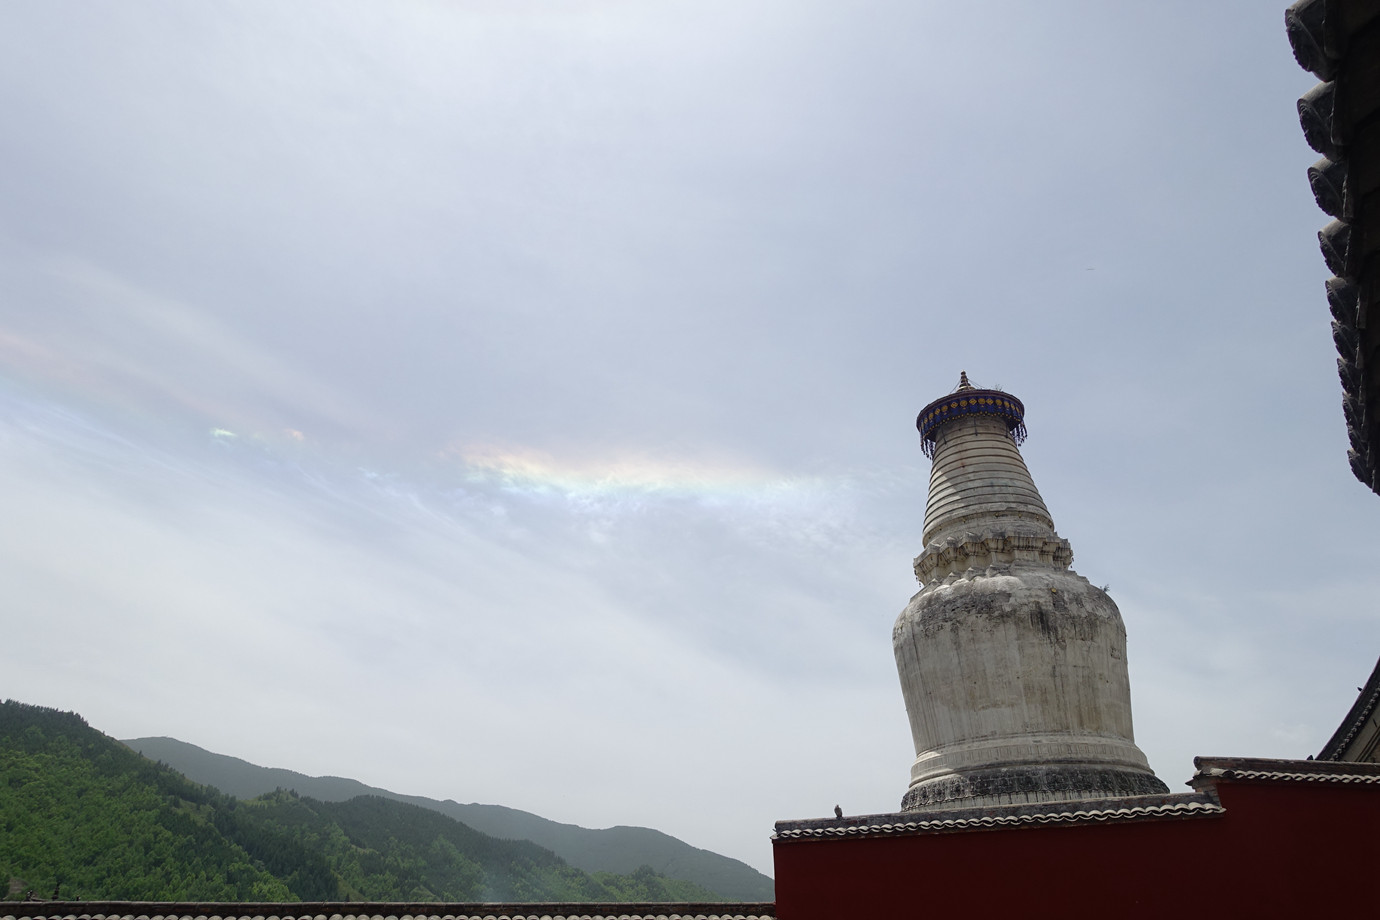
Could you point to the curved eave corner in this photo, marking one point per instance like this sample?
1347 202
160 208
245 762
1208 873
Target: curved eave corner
1339 42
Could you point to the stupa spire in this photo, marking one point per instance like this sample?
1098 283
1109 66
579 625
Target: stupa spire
1013 666
979 479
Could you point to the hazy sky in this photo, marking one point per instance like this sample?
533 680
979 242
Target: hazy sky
514 402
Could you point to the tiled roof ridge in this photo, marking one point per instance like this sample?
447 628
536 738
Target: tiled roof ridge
1309 771
1138 808
285 910
1356 718
1309 777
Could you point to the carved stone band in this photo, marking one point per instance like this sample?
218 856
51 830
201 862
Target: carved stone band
959 554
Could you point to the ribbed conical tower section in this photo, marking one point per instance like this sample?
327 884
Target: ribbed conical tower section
979 480
1013 666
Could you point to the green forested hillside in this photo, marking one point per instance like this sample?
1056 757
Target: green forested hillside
595 850
84 817
381 850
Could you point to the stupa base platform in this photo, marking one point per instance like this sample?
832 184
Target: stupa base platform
1018 785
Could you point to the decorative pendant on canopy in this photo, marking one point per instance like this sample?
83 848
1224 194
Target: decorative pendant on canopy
969 400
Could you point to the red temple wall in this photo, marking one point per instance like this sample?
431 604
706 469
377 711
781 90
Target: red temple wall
1298 848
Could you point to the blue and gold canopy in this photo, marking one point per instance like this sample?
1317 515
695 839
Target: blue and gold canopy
969 400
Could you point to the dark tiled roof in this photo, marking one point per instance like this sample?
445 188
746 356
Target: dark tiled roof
1208 770
147 910
1358 724
1339 42
1097 811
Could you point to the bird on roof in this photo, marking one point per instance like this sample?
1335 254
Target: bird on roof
838 812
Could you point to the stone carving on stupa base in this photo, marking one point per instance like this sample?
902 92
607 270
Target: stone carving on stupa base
992 550
1013 666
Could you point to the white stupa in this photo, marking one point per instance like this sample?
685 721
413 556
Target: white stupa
1013 666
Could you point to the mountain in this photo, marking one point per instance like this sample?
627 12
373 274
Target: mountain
85 817
615 849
